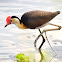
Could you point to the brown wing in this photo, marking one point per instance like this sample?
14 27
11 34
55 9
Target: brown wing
35 19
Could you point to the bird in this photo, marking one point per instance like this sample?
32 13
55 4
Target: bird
35 19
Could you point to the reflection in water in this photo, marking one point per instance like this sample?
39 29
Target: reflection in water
42 56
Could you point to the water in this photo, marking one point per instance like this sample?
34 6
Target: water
14 40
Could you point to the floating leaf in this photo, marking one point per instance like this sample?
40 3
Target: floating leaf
21 58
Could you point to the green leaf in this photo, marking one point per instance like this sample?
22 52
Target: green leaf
21 58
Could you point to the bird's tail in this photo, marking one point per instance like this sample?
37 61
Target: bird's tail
55 13
58 12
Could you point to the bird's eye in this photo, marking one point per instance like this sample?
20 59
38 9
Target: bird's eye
10 20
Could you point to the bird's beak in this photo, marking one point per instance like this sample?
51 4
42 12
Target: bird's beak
5 26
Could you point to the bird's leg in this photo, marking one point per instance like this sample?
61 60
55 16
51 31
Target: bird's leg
55 25
41 54
42 42
51 47
42 38
59 27
36 39
39 30
49 43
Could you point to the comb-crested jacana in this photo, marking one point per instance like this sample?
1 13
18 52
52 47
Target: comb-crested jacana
33 20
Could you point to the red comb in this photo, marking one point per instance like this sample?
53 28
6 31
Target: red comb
8 20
